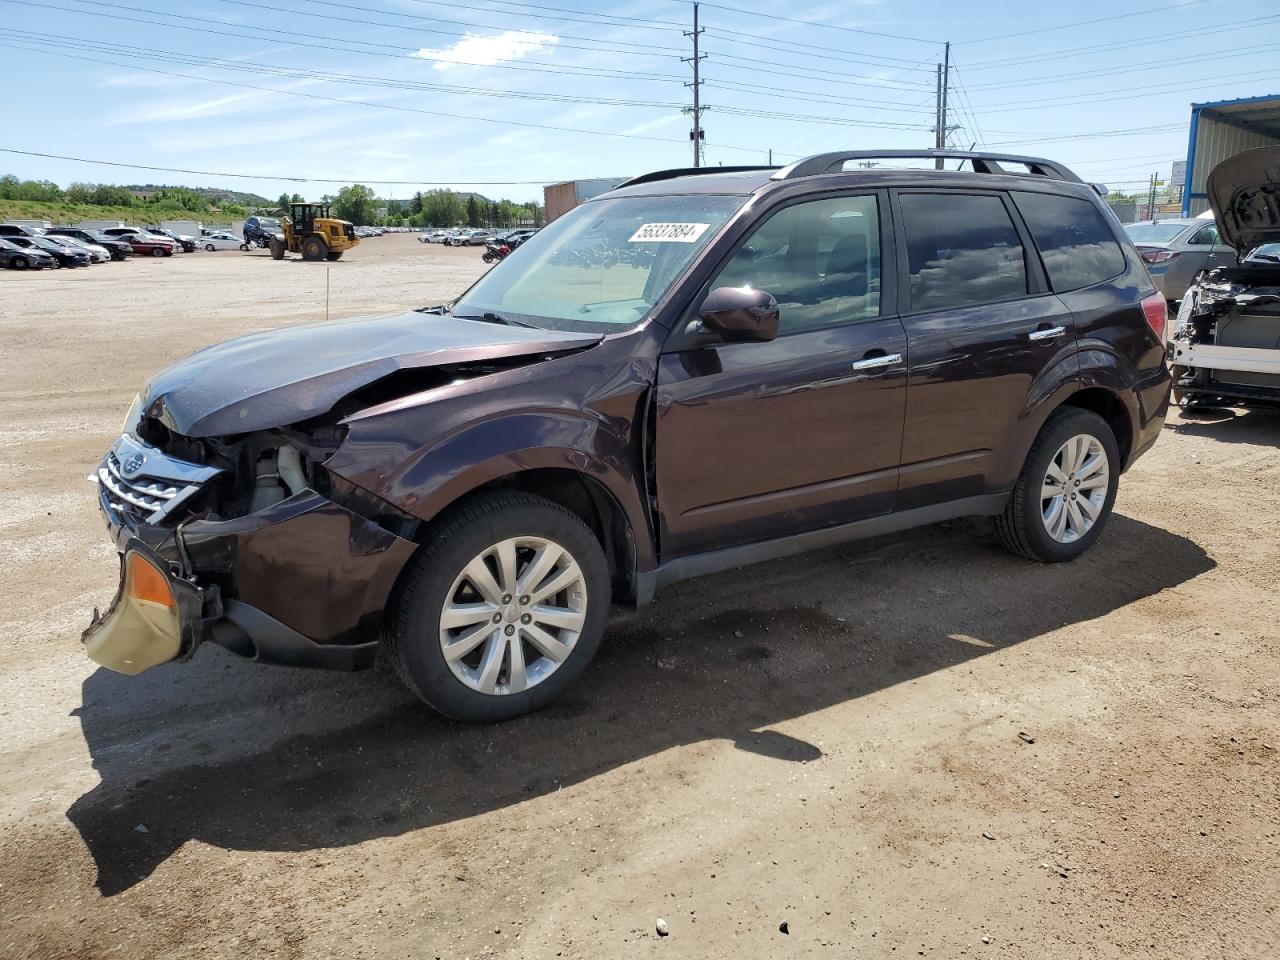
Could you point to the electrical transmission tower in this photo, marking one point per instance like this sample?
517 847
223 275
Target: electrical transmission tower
696 136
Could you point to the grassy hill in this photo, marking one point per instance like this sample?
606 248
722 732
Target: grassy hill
65 213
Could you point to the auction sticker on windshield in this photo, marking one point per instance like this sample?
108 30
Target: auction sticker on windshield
668 232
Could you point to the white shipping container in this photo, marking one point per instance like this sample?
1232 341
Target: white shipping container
100 224
183 228
32 224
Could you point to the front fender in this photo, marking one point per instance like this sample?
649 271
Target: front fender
430 478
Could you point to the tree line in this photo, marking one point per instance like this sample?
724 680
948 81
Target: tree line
105 195
433 208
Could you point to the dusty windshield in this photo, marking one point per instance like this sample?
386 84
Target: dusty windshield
600 267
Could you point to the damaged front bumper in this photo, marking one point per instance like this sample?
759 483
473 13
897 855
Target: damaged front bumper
154 618
305 581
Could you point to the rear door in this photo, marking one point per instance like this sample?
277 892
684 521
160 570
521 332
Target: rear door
760 440
982 327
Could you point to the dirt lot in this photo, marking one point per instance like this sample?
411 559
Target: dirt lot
917 746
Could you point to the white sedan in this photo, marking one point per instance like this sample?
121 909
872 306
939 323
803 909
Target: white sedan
222 241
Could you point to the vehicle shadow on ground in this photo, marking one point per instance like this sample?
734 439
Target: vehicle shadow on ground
249 757
1258 425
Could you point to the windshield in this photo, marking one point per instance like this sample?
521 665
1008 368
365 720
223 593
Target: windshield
600 267
1268 251
1154 232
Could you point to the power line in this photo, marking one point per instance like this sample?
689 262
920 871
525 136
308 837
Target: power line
1081 23
364 103
821 26
247 66
1136 68
1196 83
528 65
290 179
1100 48
649 49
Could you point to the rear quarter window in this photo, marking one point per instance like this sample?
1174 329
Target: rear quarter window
1075 243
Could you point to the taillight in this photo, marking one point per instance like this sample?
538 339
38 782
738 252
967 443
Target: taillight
1156 311
1158 256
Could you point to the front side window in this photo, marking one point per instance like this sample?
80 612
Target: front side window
1077 247
962 250
819 259
602 266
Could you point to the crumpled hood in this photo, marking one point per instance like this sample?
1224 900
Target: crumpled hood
283 376
1244 193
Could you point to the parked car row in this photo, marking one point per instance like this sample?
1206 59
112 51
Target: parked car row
34 248
465 237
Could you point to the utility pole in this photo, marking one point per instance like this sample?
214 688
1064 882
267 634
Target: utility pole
944 85
696 135
1151 199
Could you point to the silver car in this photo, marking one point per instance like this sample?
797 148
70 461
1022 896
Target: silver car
1176 250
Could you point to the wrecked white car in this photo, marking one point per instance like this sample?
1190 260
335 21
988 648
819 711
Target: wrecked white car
1225 344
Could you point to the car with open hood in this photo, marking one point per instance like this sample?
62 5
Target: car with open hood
698 370
1225 344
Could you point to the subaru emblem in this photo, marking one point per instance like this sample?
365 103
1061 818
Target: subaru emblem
134 464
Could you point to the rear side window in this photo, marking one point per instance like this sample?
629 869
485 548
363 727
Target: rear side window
961 250
1075 243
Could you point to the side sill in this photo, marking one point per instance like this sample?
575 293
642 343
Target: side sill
650 582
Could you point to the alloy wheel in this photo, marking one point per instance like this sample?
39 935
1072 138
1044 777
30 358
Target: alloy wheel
1074 490
513 615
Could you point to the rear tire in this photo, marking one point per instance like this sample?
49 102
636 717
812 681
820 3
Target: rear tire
1075 453
314 249
209 247
20 263
537 646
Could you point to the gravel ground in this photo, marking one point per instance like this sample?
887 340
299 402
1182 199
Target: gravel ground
912 746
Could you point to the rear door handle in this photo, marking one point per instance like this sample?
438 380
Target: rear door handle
872 363
1050 334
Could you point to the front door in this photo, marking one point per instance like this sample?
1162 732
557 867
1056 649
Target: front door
981 327
759 440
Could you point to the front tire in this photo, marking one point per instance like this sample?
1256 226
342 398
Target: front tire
313 248
1064 496
334 255
502 610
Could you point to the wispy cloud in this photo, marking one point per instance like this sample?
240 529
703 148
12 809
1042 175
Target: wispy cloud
476 50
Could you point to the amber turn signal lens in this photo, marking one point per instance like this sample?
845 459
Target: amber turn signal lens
148 583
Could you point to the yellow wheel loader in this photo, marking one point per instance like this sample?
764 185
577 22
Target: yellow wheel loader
310 231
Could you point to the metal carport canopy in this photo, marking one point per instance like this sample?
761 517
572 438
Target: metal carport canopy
1220 130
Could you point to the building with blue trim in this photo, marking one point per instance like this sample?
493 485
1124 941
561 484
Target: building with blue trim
1220 130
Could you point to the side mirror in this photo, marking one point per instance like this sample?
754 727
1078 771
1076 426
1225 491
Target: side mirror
740 313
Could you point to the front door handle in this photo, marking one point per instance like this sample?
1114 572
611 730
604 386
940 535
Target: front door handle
872 363
1051 334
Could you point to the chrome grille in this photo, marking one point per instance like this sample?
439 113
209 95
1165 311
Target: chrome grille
143 482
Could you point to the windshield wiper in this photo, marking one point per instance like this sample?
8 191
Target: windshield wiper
489 317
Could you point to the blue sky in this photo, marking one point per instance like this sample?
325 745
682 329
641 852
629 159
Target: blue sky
469 94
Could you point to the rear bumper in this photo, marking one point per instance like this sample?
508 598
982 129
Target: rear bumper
304 582
1152 409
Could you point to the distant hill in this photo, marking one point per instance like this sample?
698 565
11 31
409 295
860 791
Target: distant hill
216 195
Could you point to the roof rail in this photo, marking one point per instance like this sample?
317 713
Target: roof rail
982 163
685 172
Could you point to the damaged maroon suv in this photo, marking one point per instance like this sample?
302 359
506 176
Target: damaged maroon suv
698 370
